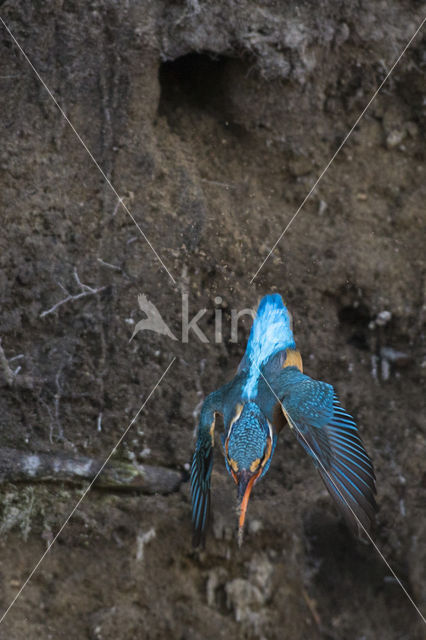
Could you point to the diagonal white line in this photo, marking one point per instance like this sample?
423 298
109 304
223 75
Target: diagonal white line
113 450
80 139
347 504
339 148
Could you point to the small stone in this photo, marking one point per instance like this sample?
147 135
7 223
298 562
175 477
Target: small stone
385 367
383 318
300 166
412 129
374 360
395 138
242 597
342 34
255 526
321 207
216 578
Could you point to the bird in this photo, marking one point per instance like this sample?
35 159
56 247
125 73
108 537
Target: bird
268 391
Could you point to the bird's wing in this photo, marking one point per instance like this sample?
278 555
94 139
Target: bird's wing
330 436
201 468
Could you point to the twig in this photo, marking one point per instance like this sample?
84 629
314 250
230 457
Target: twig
312 608
219 184
8 373
109 265
58 395
86 291
141 540
85 287
51 422
18 357
117 205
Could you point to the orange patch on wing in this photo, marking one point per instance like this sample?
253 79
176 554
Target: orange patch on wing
238 410
254 464
268 452
293 359
233 464
212 430
290 424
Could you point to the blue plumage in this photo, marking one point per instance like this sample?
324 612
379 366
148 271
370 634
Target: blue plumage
271 333
248 436
268 388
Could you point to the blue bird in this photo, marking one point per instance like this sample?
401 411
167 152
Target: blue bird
268 390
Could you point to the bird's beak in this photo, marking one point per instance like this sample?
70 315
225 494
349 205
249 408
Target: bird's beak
246 480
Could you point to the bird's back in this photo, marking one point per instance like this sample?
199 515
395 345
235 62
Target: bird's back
270 334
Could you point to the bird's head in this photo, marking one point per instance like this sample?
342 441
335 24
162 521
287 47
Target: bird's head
248 450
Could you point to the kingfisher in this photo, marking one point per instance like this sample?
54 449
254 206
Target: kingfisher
268 391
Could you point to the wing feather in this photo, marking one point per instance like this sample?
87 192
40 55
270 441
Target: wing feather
202 465
201 468
330 435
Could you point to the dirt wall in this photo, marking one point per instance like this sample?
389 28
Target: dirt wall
213 122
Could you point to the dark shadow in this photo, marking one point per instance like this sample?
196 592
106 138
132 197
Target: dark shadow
355 320
193 81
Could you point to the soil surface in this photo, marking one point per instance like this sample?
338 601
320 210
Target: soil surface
213 121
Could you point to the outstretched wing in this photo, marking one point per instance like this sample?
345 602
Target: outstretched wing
201 468
330 436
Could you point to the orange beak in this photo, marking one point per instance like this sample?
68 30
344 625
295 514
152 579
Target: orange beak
246 480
